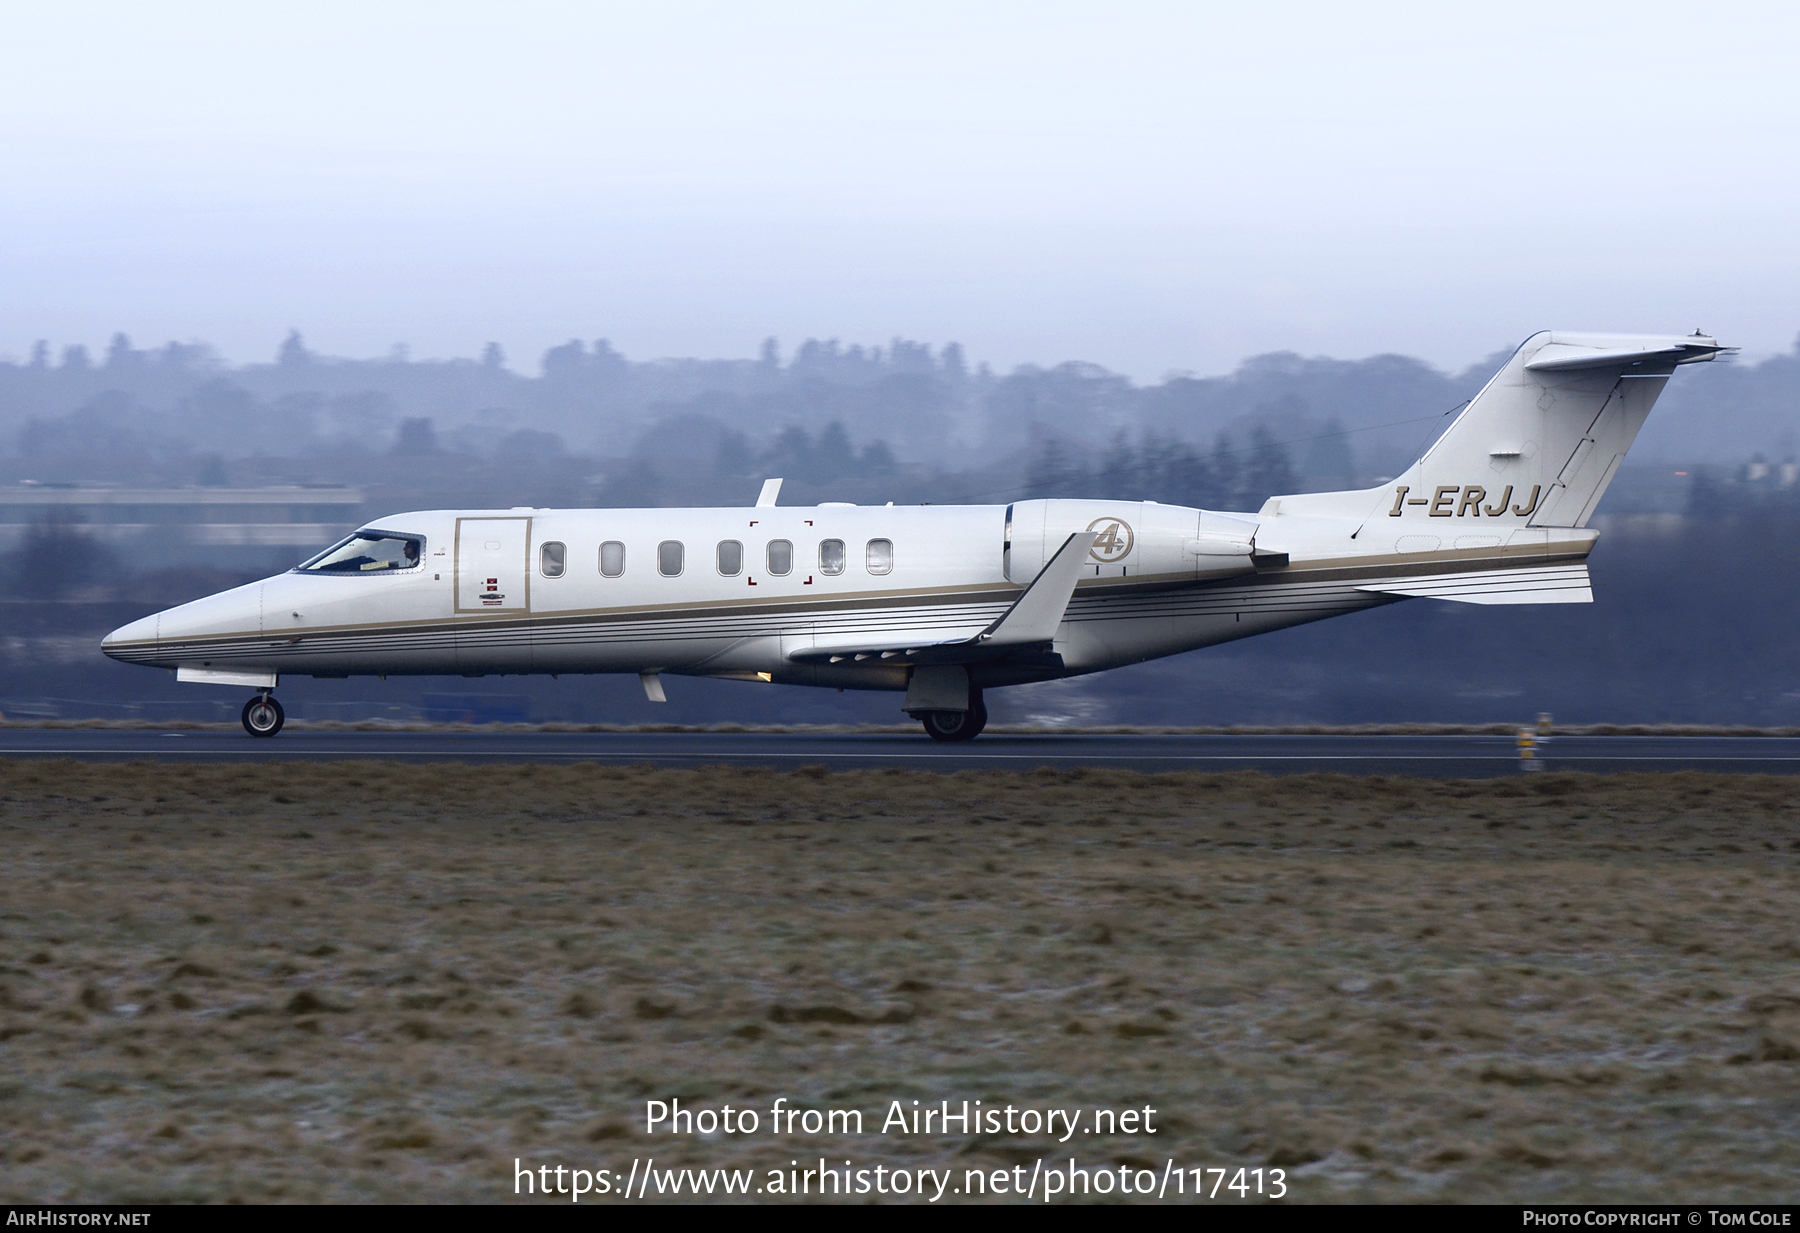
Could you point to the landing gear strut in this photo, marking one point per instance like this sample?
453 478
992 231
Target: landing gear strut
263 715
957 725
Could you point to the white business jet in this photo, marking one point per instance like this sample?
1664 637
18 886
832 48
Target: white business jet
942 602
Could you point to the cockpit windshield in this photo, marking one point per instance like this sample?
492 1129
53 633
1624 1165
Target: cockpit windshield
367 552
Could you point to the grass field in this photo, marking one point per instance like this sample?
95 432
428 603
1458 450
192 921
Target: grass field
364 981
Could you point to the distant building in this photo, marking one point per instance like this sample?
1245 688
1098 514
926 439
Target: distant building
172 525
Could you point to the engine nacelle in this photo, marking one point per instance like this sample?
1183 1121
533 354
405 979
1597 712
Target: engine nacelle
1137 539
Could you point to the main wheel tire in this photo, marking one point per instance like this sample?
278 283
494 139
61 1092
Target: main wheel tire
948 725
957 725
263 716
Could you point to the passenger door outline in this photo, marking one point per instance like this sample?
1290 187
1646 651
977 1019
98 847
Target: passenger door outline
515 575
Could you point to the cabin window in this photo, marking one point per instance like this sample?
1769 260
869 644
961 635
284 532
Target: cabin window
831 556
731 558
669 557
552 559
368 552
612 559
881 556
781 556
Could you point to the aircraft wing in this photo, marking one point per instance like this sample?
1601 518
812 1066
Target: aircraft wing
1551 584
1029 625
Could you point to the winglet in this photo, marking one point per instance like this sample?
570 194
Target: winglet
1035 615
770 490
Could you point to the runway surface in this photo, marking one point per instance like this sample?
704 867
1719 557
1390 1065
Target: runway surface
1436 756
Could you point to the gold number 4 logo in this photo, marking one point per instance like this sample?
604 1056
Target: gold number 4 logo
1114 541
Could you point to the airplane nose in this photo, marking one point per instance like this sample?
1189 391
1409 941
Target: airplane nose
133 643
194 631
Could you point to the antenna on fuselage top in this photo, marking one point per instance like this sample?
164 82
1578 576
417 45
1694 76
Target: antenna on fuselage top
771 490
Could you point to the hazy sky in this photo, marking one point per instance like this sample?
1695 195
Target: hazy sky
1147 186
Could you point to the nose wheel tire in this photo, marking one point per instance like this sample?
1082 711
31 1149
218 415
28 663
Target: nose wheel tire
263 716
956 725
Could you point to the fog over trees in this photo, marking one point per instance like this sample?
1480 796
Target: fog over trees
900 417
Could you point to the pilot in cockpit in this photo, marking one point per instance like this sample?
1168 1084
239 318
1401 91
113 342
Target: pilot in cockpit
367 552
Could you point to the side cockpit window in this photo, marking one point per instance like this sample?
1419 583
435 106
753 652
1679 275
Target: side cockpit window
368 552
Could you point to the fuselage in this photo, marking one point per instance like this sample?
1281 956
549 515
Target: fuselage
758 593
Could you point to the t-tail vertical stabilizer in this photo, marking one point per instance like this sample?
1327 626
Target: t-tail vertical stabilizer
1536 447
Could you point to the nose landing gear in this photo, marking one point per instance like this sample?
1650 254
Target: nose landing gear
957 725
263 715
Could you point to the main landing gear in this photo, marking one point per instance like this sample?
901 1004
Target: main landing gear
957 725
263 715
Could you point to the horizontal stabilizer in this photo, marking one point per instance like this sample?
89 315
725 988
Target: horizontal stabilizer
1564 357
1553 584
